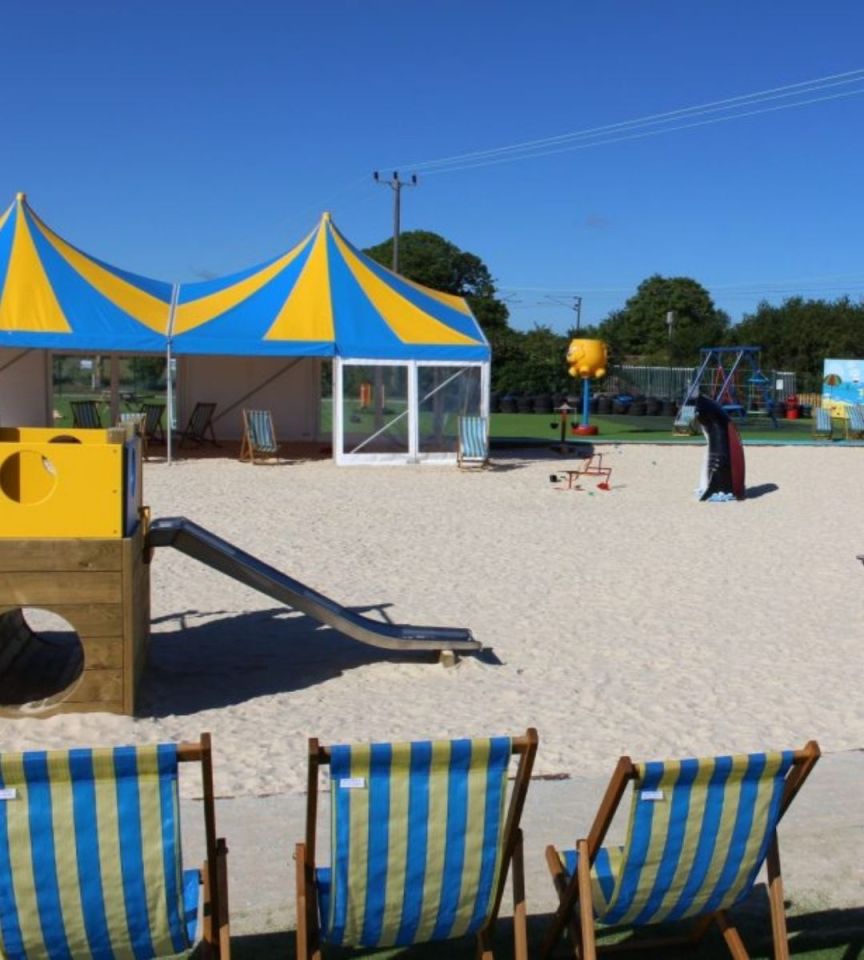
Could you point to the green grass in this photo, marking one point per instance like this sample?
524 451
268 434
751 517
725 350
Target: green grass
61 404
629 429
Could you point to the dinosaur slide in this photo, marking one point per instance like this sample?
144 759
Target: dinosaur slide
206 547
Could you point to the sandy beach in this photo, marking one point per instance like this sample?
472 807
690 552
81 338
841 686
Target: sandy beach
637 621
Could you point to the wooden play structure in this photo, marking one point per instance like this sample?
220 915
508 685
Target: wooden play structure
73 547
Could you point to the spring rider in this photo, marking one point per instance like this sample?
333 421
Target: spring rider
586 359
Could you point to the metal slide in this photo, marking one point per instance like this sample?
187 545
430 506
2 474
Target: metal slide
195 541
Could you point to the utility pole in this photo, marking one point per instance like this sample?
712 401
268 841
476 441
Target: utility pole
396 185
576 308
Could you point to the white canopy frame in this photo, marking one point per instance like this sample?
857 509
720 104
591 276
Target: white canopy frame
356 456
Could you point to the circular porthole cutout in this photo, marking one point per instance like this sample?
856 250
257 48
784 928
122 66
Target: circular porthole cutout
44 657
27 477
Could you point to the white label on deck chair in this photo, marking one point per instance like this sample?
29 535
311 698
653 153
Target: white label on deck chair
8 793
652 794
352 783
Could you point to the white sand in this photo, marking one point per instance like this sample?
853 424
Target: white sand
636 621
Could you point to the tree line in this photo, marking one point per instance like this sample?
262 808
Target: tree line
796 335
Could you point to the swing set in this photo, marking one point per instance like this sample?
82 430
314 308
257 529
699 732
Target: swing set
733 378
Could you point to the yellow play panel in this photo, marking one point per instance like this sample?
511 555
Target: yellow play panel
67 483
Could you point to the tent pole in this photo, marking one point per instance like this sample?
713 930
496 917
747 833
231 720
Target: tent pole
114 403
169 385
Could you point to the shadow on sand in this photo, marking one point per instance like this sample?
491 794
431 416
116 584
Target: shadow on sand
761 490
210 663
835 934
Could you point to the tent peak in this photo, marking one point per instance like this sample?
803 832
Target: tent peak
325 217
21 197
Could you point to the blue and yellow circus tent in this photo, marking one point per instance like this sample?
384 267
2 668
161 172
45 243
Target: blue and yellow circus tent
324 298
54 296
321 299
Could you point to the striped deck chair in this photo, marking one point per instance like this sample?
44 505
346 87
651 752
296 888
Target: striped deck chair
153 422
200 424
473 438
854 421
422 839
259 437
822 426
90 863
698 835
85 414
685 422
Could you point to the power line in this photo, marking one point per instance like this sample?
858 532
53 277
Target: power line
791 89
641 136
539 147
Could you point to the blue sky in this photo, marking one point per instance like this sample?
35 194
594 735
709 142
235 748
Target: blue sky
188 138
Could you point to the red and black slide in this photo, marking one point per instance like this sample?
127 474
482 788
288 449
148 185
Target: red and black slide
723 468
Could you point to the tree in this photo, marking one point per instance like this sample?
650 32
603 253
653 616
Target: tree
640 329
532 361
428 258
799 334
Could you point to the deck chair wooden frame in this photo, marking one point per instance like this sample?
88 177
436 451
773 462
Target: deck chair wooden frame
684 424
86 912
474 452
822 426
259 437
200 424
153 429
575 912
309 938
854 422
85 415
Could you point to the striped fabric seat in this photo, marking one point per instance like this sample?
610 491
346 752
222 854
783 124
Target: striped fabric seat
259 436
822 426
699 832
153 429
421 841
685 422
85 414
199 429
90 855
854 421
473 441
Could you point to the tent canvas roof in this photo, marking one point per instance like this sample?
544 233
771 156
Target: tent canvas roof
323 297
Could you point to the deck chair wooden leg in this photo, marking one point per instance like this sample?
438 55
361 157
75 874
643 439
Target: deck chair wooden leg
565 915
308 935
778 909
701 927
586 907
207 919
520 912
559 879
484 946
731 936
223 926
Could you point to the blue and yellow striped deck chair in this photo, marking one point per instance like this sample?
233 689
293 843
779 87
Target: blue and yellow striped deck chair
473 448
85 414
822 426
90 862
698 834
259 436
854 421
422 838
199 429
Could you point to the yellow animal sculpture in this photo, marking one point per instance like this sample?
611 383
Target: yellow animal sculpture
587 358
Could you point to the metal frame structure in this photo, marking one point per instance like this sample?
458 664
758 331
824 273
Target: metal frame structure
713 361
412 411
